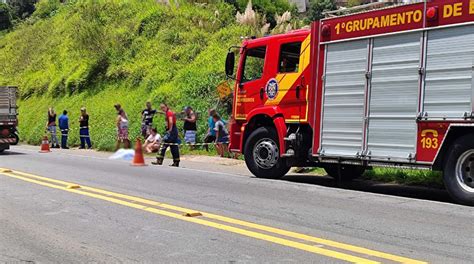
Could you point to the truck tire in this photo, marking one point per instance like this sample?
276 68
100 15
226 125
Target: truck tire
262 154
17 139
458 170
348 172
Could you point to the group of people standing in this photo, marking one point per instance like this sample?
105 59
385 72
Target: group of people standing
217 132
63 123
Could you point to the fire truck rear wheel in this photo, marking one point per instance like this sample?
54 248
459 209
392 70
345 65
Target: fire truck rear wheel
262 154
458 171
348 172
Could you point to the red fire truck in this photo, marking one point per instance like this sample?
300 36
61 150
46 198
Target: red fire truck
387 87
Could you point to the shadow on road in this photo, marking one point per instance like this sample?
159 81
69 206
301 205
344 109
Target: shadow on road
418 192
11 153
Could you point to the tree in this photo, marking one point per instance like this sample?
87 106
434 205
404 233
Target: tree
317 7
5 17
22 8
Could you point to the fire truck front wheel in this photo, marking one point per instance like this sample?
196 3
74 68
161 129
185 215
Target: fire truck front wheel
262 154
458 172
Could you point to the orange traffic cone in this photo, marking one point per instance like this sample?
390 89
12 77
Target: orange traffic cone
138 159
45 145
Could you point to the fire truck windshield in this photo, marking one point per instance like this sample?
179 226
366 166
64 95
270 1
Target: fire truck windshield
253 65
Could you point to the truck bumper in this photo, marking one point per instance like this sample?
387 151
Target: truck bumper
7 141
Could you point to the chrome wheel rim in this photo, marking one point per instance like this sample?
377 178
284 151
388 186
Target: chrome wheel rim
465 171
265 153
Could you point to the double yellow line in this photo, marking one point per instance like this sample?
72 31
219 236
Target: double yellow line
299 241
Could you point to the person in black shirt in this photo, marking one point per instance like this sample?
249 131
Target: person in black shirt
84 129
190 127
147 119
51 127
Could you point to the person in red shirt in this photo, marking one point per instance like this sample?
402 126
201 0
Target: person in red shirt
170 137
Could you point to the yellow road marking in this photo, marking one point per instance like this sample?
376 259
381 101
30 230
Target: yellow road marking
276 240
269 238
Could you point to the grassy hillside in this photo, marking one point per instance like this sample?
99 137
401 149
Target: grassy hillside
97 53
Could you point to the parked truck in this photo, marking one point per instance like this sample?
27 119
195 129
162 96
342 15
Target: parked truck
8 117
390 87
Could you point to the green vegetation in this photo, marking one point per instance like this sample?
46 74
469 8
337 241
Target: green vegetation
406 176
317 7
5 16
351 3
269 8
21 8
98 53
400 176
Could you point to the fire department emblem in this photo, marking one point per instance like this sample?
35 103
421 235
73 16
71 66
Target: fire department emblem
271 89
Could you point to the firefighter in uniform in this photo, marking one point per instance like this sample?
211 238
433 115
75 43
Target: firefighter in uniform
170 137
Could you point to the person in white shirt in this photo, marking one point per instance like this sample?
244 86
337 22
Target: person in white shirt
152 143
122 128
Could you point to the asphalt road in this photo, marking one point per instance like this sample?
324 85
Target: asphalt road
80 207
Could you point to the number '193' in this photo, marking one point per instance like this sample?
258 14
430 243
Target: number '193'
429 143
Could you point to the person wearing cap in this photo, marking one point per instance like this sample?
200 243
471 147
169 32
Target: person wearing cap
84 129
122 128
190 126
170 139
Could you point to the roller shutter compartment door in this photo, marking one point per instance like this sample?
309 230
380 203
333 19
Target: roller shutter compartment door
344 98
394 97
449 72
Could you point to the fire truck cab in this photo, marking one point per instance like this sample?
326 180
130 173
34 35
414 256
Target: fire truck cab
388 87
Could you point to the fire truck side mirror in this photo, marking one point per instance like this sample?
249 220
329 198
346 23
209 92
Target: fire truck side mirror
229 64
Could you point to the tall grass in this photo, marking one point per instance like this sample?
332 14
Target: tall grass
406 176
98 53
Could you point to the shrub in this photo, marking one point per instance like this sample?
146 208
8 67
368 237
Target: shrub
269 8
22 8
46 8
5 16
317 7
